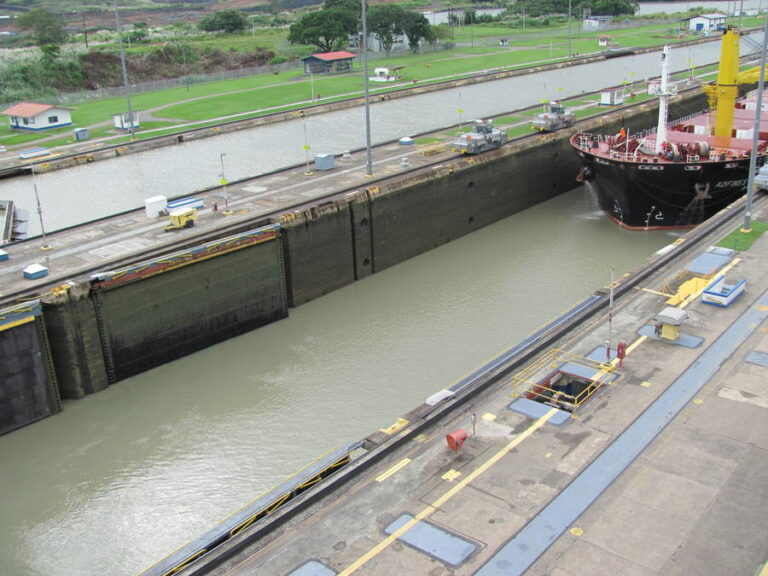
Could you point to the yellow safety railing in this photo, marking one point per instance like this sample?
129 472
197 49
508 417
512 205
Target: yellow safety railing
534 381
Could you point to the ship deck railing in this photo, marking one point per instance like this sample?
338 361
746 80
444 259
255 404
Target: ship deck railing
607 148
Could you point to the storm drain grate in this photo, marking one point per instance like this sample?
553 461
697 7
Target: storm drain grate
433 541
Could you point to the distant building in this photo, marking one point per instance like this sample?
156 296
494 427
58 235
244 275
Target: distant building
33 117
596 23
122 122
399 43
328 62
705 22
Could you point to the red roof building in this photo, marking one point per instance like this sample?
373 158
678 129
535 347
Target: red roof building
33 116
328 62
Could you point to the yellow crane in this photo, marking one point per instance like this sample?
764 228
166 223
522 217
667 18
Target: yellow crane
723 93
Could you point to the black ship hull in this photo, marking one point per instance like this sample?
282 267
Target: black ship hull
648 196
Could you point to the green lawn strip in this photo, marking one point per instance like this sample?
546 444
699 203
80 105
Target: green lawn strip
738 240
428 140
270 90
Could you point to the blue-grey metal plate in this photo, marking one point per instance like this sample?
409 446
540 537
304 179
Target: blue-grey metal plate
313 568
683 340
759 358
585 372
536 410
710 262
521 552
433 541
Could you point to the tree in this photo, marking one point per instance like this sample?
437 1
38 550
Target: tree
329 29
386 21
536 8
440 33
224 21
49 32
351 6
415 27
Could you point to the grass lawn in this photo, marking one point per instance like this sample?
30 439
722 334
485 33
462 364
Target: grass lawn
738 240
477 50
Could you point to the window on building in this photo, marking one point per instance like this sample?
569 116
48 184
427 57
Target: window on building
53 119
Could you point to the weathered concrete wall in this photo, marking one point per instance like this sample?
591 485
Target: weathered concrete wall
107 330
73 332
318 251
156 319
28 389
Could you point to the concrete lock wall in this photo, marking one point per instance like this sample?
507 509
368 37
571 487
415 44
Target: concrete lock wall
154 320
104 332
73 331
318 251
27 383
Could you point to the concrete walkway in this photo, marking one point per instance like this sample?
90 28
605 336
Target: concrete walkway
691 500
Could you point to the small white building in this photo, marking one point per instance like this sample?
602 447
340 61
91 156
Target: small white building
121 121
706 22
33 117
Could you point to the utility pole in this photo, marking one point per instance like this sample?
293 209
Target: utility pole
364 45
755 134
569 30
131 128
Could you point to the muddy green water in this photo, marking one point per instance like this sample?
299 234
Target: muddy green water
122 478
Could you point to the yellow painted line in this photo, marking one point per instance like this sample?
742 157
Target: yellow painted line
429 510
764 571
451 475
576 531
10 325
646 384
761 308
404 462
420 438
548 455
698 401
657 292
635 344
488 417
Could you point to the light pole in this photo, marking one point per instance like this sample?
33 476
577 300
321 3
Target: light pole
306 146
131 128
85 30
45 245
569 29
368 159
755 134
223 182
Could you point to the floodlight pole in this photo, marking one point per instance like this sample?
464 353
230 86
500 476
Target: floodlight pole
131 129
45 245
755 134
364 42
569 30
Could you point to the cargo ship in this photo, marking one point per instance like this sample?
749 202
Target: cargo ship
680 173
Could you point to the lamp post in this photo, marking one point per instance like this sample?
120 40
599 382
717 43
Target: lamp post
127 86
569 29
45 245
223 182
364 43
85 30
306 146
755 134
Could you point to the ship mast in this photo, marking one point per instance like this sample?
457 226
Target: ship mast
663 93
